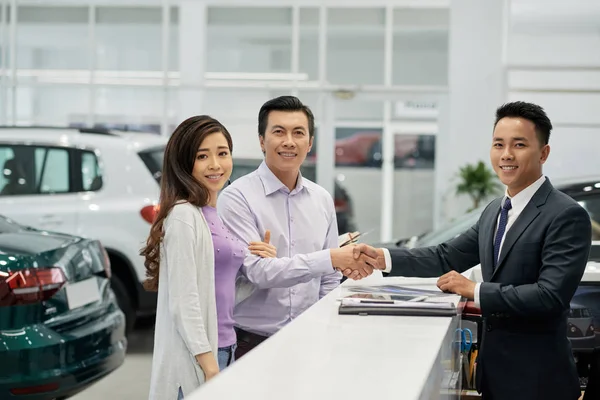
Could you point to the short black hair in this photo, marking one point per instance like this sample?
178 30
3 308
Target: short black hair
284 103
529 111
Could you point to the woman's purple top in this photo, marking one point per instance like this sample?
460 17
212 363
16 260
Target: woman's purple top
229 255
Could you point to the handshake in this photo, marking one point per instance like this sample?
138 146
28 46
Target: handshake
357 261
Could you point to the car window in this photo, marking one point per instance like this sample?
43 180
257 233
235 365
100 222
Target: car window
240 169
153 159
6 153
33 170
9 226
591 203
91 175
53 166
451 230
243 167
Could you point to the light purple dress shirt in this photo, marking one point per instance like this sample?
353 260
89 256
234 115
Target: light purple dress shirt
303 227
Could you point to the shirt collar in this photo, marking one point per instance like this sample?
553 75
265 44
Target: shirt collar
272 184
520 200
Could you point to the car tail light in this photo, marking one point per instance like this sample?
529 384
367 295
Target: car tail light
149 213
340 205
24 391
30 285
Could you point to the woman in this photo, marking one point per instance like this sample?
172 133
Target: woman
192 260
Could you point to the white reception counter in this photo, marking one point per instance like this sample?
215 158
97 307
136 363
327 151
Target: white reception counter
324 355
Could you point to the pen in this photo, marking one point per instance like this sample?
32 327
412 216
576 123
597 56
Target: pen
376 301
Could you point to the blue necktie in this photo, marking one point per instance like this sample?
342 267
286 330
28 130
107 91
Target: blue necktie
501 229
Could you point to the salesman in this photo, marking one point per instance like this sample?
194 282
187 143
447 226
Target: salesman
533 246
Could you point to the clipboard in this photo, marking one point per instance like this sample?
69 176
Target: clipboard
351 238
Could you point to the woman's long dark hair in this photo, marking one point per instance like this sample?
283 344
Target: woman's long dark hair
178 183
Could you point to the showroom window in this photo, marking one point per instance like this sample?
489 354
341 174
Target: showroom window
249 39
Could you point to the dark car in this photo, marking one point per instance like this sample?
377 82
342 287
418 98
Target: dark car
341 199
60 327
580 329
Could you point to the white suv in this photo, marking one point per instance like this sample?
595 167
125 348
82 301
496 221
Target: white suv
88 182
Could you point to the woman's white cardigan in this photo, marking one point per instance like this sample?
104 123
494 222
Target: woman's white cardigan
186 315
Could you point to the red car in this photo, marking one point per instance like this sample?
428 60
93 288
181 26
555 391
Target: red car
364 148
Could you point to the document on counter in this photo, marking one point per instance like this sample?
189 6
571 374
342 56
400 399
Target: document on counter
396 300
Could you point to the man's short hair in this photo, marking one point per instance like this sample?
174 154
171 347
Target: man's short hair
284 103
529 111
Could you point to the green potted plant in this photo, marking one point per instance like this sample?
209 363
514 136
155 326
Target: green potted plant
478 182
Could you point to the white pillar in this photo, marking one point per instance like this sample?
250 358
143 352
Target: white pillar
477 86
388 138
326 137
325 141
192 57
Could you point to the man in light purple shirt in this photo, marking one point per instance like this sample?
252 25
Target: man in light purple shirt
301 217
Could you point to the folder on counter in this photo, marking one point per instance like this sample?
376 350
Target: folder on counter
414 307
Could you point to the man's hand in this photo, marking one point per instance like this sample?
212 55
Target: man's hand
344 259
263 249
453 282
362 250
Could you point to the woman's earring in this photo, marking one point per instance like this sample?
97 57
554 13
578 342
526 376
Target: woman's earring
228 182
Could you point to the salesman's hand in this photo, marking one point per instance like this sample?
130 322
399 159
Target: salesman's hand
453 282
263 249
371 253
343 259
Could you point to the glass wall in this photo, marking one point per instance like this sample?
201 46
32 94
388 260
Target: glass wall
138 46
355 45
128 39
249 39
119 66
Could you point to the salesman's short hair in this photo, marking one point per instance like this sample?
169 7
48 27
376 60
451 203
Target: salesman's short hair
531 112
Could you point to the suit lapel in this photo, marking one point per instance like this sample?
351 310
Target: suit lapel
528 215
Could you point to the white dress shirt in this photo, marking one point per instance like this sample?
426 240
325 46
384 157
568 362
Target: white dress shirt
519 202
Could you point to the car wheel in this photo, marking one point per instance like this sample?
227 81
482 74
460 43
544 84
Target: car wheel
124 302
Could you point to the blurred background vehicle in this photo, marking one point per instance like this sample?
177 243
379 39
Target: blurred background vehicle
580 329
95 183
60 326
